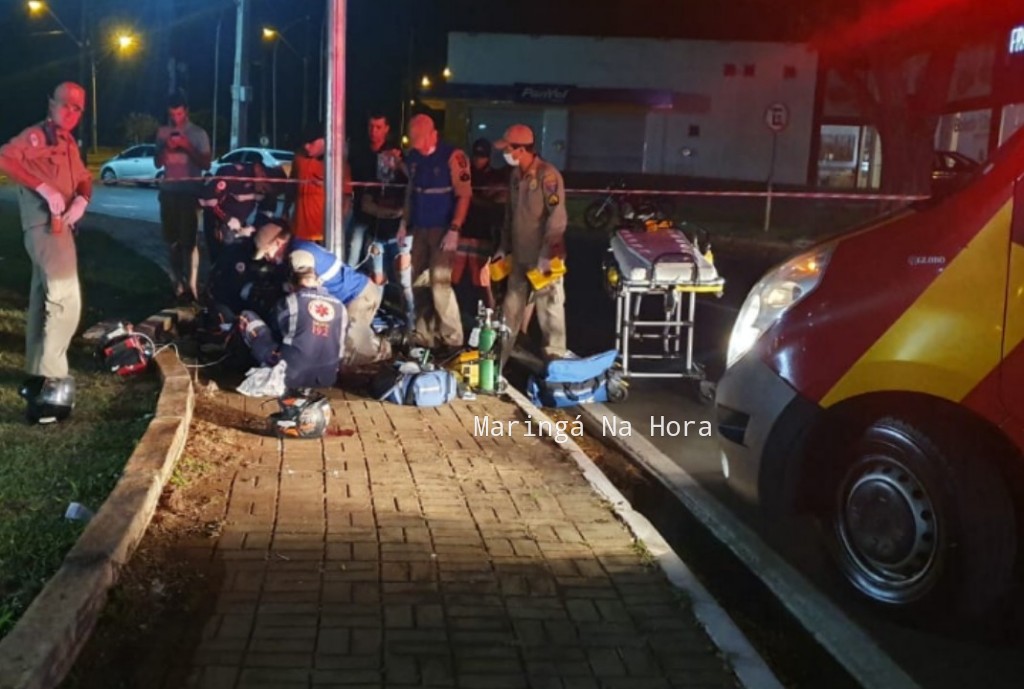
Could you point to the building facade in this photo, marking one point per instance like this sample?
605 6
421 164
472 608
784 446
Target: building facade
627 105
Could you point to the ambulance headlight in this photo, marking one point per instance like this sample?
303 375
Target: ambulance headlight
776 293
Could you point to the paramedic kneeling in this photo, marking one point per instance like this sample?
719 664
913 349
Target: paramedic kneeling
356 291
534 233
312 327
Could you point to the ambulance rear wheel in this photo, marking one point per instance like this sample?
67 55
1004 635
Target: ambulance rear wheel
920 523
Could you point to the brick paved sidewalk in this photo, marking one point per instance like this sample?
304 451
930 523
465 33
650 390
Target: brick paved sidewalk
415 554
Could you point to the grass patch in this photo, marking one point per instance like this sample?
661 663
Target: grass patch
42 469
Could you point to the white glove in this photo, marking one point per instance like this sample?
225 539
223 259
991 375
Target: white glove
75 211
246 231
52 197
234 224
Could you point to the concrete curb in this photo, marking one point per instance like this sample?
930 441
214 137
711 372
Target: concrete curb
42 647
841 638
750 668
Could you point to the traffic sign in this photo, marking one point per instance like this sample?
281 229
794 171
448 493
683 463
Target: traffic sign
776 116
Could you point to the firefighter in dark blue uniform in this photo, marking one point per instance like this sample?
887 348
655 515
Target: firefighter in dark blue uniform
437 200
228 201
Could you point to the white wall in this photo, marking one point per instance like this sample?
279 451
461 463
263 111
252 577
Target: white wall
734 142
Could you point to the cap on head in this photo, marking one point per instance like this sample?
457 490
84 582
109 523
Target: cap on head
70 93
516 135
266 235
302 261
481 148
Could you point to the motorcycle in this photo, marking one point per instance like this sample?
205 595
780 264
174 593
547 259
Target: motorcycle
626 208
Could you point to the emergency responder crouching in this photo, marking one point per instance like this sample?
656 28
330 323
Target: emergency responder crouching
437 200
534 234
54 189
311 325
360 295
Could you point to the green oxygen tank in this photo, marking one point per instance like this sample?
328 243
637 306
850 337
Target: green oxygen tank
486 347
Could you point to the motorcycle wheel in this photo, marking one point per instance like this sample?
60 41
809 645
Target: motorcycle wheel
598 215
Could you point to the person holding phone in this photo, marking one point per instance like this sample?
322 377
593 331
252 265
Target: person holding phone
183 150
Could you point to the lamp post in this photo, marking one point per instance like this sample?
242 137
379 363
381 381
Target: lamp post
277 36
124 42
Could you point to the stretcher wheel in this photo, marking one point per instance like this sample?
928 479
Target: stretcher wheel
704 390
617 392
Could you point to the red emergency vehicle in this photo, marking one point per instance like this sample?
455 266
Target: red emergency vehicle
877 381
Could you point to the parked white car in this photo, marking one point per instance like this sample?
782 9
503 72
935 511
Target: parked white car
270 157
135 162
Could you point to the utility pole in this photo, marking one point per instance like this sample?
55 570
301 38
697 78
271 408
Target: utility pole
241 93
334 234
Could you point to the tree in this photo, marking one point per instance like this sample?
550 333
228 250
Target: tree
898 58
139 127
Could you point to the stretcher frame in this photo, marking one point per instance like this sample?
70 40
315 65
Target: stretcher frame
629 327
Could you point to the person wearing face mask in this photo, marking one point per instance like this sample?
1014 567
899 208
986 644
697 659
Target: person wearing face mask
437 200
533 234
54 189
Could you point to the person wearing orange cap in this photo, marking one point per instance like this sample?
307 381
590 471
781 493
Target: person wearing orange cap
54 189
534 233
437 200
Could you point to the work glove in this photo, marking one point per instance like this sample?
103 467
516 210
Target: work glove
52 197
246 231
75 211
234 224
450 243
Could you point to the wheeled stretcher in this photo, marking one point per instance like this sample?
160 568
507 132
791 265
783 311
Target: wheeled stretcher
659 264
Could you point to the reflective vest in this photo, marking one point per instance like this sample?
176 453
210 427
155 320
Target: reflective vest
312 325
433 196
343 282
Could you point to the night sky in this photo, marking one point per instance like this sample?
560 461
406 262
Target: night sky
389 40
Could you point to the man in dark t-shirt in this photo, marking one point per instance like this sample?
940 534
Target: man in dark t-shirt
478 240
378 208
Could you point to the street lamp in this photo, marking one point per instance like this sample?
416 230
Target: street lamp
277 36
37 7
425 82
124 41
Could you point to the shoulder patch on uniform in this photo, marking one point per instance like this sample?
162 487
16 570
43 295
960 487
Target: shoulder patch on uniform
460 159
240 267
221 185
550 184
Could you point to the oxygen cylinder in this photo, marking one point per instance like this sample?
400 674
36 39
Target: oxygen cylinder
487 334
